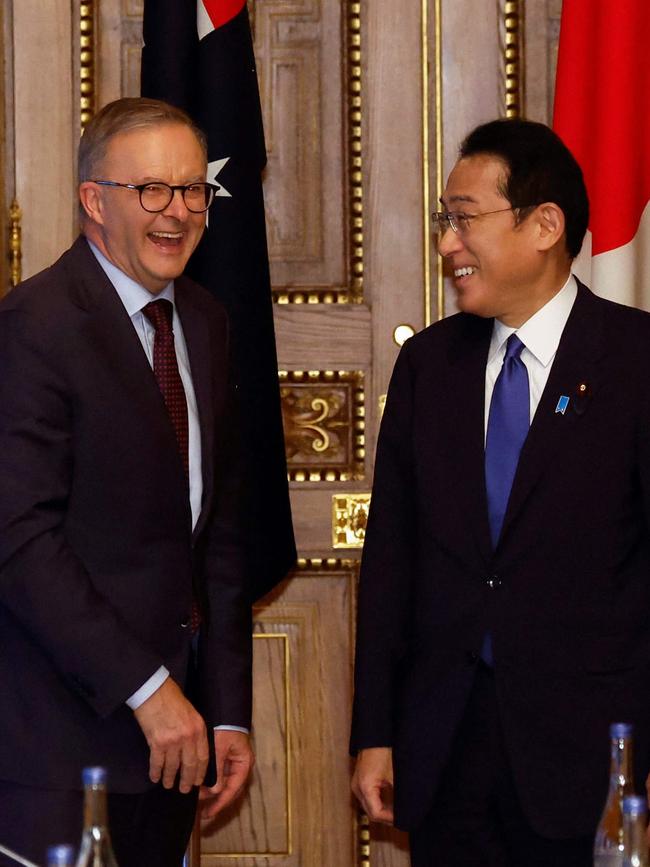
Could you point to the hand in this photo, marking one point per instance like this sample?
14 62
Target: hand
176 735
372 783
235 761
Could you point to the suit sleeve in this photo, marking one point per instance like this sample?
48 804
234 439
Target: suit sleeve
385 594
225 668
44 585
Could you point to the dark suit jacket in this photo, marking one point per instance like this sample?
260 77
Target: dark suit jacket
566 593
97 553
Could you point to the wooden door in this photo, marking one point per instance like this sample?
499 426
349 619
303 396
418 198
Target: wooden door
364 104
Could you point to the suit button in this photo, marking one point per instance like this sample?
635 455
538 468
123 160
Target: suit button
471 657
493 582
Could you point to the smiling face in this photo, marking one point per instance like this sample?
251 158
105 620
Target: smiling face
152 249
500 267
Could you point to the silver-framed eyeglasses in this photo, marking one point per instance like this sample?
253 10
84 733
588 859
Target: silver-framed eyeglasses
459 222
156 196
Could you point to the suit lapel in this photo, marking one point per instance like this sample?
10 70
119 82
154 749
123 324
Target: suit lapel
112 329
111 332
466 419
197 338
574 374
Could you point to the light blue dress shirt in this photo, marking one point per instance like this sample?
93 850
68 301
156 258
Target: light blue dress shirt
134 297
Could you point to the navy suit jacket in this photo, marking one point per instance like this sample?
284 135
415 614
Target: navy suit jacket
97 554
566 593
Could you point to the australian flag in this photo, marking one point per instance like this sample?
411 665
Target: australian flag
198 55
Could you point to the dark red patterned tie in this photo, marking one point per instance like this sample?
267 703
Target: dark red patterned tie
165 367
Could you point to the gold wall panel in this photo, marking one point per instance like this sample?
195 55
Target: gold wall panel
309 66
323 414
349 520
296 812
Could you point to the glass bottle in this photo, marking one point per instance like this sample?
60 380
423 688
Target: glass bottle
635 844
96 849
60 856
608 845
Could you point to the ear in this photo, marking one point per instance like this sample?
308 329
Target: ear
91 201
550 223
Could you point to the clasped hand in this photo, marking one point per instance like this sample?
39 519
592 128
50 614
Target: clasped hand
178 747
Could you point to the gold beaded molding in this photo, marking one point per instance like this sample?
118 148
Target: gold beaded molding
15 243
363 826
353 292
86 62
326 564
356 178
513 54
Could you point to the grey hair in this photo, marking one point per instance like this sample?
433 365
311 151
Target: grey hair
124 115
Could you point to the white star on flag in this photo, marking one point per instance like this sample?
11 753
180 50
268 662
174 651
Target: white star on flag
214 170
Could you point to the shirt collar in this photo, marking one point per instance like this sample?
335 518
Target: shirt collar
133 295
542 332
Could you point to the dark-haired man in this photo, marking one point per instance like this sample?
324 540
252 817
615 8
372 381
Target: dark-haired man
505 587
125 621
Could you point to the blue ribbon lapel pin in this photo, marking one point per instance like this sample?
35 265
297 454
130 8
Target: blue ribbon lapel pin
562 404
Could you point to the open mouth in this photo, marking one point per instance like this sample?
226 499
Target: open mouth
463 272
166 240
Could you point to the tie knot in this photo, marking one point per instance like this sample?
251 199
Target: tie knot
160 313
513 347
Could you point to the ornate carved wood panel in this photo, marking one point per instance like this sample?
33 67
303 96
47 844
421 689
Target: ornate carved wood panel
323 413
307 63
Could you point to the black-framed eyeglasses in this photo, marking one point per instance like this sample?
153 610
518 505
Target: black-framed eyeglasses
156 196
459 222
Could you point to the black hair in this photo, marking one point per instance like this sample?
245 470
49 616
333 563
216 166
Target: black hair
540 168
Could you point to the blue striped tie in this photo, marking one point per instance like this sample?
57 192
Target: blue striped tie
507 429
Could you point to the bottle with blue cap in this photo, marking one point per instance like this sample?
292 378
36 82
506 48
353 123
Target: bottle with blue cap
635 844
60 856
96 849
608 845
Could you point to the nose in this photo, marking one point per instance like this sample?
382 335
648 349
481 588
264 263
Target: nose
449 243
177 207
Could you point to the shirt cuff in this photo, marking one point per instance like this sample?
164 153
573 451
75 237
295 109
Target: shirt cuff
148 688
232 729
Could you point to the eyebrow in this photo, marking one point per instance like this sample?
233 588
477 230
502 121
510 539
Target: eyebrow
157 180
455 199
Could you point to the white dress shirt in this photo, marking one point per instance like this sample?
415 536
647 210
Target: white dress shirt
541 337
134 297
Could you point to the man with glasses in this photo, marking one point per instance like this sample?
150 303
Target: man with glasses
504 610
125 621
